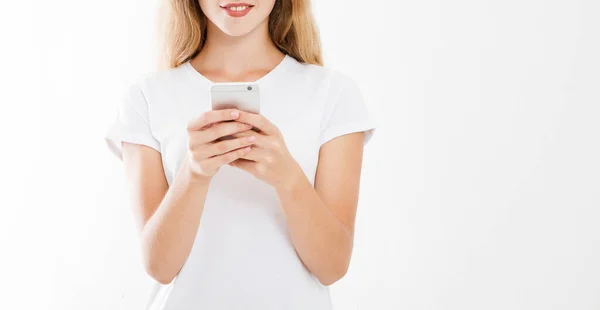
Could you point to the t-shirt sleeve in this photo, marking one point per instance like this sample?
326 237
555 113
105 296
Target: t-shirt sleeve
132 123
346 113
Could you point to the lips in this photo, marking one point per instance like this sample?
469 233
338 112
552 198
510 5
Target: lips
237 9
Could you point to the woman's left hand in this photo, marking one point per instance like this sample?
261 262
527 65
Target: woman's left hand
269 160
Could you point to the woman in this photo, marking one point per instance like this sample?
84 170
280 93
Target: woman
262 221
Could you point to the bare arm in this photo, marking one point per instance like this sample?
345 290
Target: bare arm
321 219
167 225
168 217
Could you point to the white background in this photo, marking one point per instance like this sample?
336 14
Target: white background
481 187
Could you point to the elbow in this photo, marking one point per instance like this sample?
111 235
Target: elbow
156 267
335 265
156 264
333 274
158 273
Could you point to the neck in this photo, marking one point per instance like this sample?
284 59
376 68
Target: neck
236 55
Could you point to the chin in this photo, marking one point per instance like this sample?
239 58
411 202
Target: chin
237 30
239 27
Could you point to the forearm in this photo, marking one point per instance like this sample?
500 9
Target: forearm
168 236
321 240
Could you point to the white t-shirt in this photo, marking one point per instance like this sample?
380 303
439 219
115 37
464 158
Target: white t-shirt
242 257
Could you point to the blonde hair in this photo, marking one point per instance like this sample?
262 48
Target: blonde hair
183 31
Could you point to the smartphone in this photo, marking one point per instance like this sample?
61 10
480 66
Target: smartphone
243 96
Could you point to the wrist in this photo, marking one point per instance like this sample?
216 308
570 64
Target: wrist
197 178
192 176
292 180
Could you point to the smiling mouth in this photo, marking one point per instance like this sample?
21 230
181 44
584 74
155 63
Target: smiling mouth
237 9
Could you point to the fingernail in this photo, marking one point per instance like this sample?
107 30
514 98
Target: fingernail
248 126
251 138
246 150
235 113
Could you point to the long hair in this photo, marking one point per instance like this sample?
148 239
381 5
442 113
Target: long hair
182 24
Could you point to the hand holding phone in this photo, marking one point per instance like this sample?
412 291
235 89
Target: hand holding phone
206 152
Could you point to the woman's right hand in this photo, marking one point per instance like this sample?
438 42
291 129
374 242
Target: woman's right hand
206 153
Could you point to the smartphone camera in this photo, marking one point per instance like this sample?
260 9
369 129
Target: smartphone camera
249 87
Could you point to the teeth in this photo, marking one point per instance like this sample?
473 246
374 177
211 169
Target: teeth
238 8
